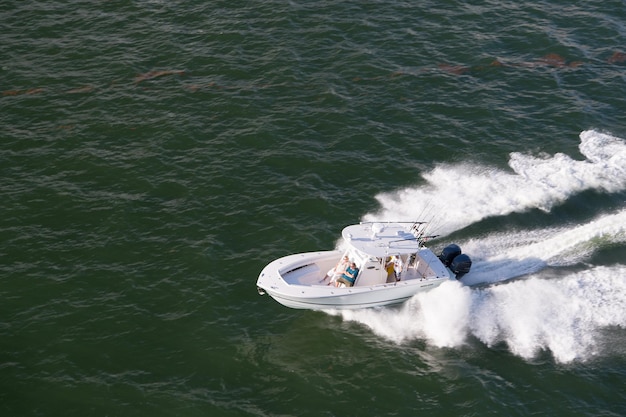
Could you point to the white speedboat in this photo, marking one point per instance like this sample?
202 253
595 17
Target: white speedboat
393 265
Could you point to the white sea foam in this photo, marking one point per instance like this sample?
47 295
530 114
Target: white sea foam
468 193
515 253
561 315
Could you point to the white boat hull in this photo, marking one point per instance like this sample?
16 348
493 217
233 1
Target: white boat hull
395 294
294 281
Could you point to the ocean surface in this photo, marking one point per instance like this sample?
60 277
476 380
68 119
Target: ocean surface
156 155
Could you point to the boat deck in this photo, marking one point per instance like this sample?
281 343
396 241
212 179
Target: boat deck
313 275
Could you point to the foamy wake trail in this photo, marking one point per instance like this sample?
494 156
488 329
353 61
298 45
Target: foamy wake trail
468 193
563 316
503 256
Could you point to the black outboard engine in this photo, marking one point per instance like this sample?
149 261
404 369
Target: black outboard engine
461 265
449 253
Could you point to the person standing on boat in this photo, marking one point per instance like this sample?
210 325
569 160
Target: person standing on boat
397 267
339 269
349 276
390 268
394 268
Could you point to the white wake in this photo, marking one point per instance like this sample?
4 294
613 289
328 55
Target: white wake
563 315
511 254
469 193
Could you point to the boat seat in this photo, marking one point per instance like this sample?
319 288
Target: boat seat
368 275
304 275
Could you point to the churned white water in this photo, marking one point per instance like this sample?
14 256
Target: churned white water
468 193
562 314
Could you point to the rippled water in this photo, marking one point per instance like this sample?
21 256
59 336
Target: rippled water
156 155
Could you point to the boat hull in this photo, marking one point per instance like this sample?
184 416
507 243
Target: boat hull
295 281
395 294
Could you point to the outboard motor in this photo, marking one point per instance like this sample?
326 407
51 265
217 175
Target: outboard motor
461 265
449 253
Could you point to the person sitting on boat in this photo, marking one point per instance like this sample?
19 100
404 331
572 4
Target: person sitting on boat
337 270
349 276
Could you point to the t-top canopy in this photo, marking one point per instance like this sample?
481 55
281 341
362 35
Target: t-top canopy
382 239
